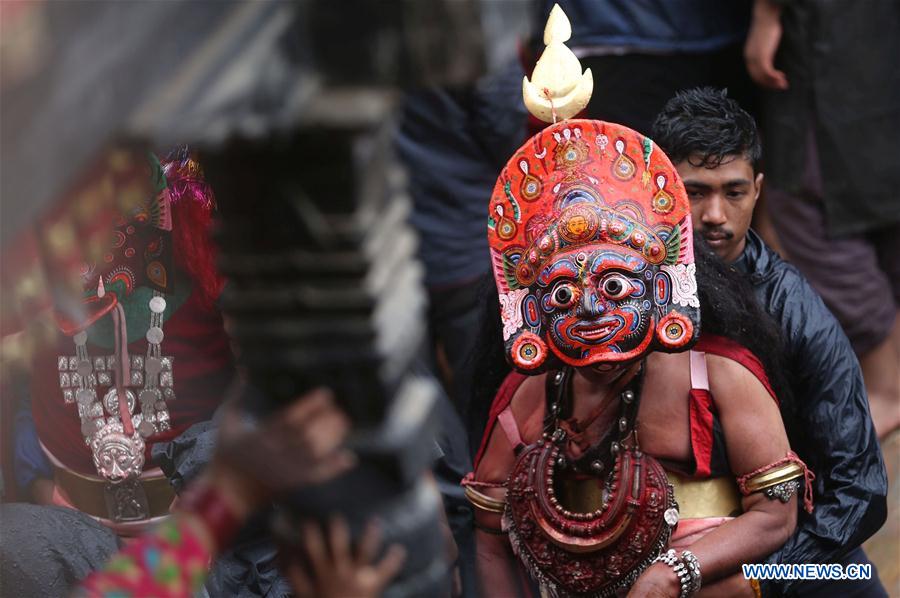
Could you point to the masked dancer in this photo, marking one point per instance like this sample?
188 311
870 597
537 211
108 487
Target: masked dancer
622 455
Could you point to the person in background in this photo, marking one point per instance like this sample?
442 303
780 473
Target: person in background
831 109
641 53
715 147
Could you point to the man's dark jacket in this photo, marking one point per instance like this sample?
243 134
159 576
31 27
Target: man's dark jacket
830 428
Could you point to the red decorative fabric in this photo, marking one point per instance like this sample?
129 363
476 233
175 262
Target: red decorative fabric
469 480
169 562
193 204
220 519
701 410
702 407
725 347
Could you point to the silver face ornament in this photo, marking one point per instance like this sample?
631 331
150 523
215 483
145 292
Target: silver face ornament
116 455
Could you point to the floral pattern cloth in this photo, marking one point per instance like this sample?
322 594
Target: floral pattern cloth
169 562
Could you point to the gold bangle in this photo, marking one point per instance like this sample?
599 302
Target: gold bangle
484 502
773 477
754 584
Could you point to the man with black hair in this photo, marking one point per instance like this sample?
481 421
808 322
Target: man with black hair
714 145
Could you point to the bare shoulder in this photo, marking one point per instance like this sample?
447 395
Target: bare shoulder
731 382
528 405
751 420
527 410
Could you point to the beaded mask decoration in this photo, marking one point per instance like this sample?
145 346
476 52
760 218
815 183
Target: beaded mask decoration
590 237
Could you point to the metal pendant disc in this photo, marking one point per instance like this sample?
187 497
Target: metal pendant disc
671 516
157 305
85 368
155 335
85 397
111 401
146 429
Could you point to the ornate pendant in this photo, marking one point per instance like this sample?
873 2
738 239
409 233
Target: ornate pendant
116 455
594 553
126 501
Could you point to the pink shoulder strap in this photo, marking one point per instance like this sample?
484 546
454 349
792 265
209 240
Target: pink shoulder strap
699 377
510 428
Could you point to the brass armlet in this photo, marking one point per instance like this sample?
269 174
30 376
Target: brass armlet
773 477
484 502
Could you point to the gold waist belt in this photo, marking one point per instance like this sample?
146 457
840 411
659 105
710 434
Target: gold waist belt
697 499
711 497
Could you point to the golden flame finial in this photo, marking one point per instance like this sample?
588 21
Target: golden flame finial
557 90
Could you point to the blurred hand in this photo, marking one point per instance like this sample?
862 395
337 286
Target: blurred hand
300 445
335 571
762 44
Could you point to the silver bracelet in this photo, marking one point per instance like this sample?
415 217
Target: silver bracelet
783 491
693 567
681 571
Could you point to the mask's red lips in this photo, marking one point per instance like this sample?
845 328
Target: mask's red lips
594 332
597 331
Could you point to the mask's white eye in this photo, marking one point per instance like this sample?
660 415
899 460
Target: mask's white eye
615 286
564 295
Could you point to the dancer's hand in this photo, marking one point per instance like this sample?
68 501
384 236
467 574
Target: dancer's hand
335 570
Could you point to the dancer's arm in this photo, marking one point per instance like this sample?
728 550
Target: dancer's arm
755 437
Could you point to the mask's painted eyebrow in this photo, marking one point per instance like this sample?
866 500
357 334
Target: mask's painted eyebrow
609 261
564 268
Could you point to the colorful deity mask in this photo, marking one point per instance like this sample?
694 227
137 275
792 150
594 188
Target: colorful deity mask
590 237
148 217
140 253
